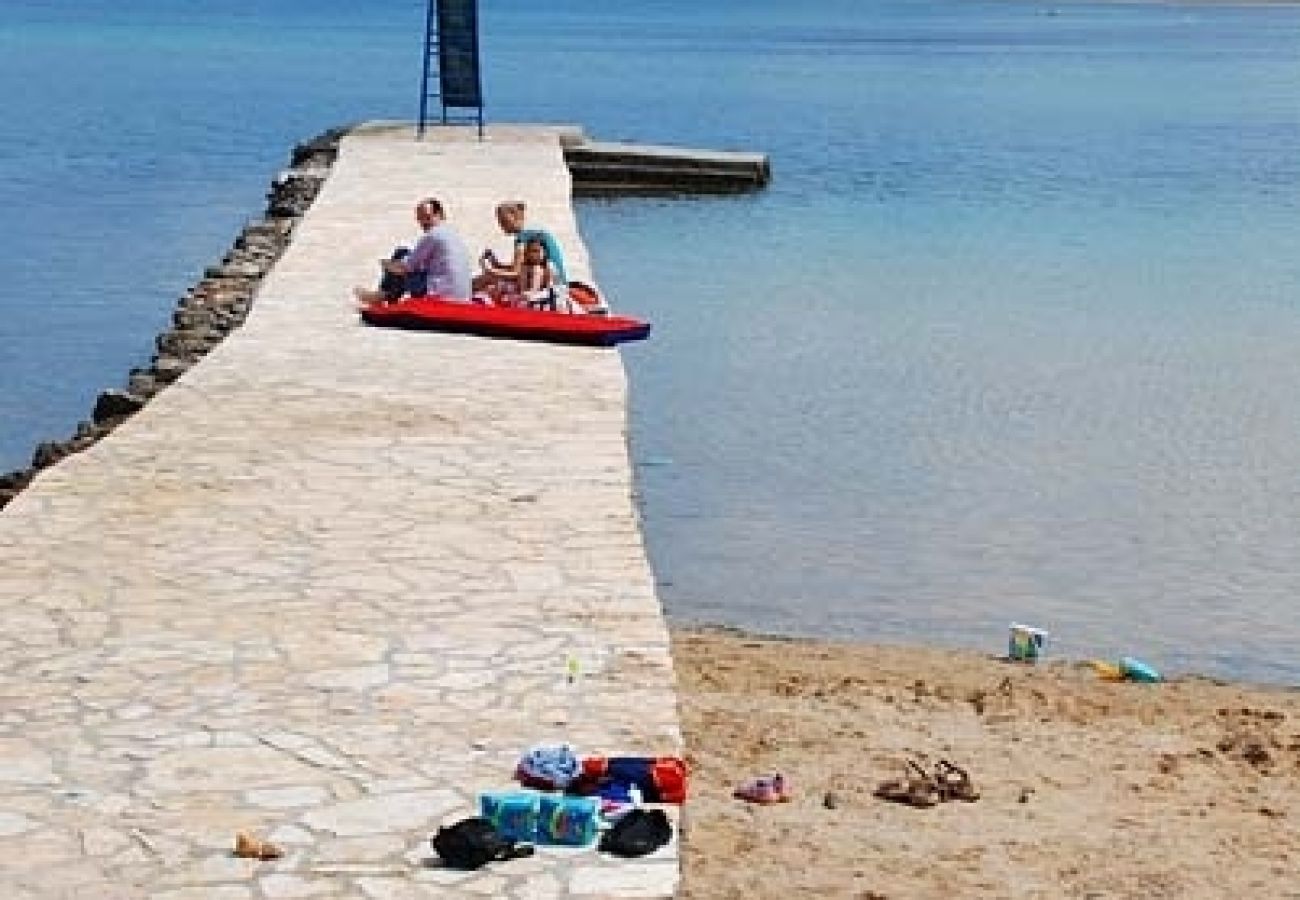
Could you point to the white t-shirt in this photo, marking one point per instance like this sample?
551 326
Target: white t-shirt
442 256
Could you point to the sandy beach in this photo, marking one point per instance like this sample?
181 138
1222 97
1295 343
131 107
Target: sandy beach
1089 789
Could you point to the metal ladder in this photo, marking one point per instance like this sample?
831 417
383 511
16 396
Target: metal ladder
456 61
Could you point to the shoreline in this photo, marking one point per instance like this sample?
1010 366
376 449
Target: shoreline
918 644
1089 788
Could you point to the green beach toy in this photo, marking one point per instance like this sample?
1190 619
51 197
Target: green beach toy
1026 643
1137 670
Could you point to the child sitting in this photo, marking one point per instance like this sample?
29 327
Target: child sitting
537 278
537 287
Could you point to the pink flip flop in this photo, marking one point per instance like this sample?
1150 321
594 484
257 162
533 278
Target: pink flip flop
765 789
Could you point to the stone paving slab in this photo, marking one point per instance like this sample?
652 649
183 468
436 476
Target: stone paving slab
325 587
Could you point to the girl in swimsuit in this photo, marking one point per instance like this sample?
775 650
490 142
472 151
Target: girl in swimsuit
536 276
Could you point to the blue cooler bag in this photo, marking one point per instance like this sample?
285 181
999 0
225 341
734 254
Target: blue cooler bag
514 814
567 820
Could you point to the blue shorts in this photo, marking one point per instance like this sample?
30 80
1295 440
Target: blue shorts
395 287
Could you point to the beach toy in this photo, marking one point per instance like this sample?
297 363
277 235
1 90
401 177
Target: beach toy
1137 670
1026 643
514 814
573 821
1106 671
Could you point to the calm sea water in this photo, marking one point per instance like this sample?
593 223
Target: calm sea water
1012 336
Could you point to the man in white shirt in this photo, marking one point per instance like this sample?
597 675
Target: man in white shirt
439 265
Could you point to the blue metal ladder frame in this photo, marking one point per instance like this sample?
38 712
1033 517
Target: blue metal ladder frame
431 77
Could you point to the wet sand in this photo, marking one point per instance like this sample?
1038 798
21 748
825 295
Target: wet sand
1090 789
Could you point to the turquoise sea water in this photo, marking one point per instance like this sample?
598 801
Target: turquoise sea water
1012 336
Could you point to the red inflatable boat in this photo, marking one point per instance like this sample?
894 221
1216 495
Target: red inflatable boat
434 314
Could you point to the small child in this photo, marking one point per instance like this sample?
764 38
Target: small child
537 285
537 277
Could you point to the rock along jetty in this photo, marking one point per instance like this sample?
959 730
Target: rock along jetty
328 584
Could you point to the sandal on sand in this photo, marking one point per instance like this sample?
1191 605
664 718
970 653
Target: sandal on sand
764 790
250 847
921 791
909 791
954 782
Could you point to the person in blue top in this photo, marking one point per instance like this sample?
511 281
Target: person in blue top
506 275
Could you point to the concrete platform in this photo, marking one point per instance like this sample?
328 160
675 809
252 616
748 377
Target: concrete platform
326 587
604 167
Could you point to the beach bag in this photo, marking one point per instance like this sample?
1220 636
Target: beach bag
660 779
473 843
573 821
512 813
638 832
587 298
548 767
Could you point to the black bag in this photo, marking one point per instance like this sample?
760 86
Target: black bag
473 843
639 832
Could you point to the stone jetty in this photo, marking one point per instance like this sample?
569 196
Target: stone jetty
330 582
